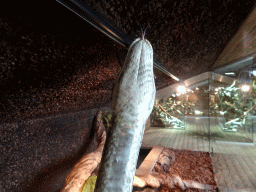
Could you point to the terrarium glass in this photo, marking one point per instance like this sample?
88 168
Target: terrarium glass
170 112
232 102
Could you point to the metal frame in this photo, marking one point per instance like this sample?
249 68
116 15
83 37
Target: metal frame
86 12
191 83
235 66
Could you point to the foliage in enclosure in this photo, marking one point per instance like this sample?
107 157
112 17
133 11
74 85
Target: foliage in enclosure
90 184
170 111
107 119
234 105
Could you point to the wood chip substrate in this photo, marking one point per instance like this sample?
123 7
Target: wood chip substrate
188 165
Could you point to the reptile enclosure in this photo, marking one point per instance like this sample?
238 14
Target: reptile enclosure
57 71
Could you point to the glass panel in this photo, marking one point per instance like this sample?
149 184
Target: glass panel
197 117
169 112
231 107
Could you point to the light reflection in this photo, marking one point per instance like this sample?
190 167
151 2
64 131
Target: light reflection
245 88
198 112
230 73
181 89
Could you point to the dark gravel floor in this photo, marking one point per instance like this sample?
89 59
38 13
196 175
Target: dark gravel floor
37 155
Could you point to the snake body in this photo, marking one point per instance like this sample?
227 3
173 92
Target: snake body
133 100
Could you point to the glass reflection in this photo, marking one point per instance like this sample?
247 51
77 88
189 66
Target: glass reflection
233 104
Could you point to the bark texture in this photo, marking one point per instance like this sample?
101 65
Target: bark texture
86 165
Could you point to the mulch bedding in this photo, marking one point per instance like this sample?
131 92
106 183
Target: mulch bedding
189 165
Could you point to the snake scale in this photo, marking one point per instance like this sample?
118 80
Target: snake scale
133 100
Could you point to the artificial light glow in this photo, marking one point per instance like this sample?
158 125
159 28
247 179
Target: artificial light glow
198 112
245 88
254 73
181 89
230 73
222 112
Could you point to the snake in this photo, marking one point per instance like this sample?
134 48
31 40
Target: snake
132 102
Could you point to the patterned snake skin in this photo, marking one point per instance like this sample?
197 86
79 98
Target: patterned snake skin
133 100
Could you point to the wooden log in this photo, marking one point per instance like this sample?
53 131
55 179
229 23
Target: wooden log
87 164
157 180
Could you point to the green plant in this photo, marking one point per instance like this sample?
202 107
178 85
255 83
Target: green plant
169 112
107 119
235 106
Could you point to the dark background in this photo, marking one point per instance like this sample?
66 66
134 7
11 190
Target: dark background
53 62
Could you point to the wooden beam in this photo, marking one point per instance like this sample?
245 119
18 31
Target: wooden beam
243 44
